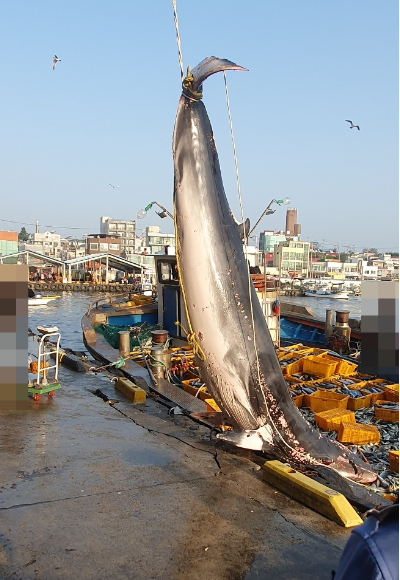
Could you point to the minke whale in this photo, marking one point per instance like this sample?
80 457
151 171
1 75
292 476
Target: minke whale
235 352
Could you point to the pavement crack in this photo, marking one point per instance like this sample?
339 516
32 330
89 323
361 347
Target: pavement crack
100 493
213 453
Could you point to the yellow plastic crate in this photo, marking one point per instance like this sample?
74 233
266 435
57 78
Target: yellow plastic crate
314 365
199 392
357 385
325 400
391 415
359 402
297 399
374 396
358 434
361 376
289 350
291 379
294 367
392 393
316 384
348 368
330 420
394 460
340 364
211 405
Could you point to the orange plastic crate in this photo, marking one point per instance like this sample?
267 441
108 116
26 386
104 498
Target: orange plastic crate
330 420
342 366
294 367
374 396
391 415
359 403
392 393
290 351
314 365
201 393
292 379
211 405
358 434
394 460
325 400
298 400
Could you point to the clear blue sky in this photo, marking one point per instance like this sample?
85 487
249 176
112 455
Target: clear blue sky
106 113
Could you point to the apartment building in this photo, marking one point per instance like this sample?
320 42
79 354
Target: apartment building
292 258
124 229
99 243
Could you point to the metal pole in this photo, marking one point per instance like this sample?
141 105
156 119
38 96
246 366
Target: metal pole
106 277
329 323
262 215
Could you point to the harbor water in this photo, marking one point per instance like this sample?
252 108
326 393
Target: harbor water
67 311
321 305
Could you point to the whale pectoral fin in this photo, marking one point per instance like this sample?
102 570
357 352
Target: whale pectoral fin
260 439
243 229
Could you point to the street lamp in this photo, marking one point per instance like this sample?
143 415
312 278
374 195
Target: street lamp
142 212
269 211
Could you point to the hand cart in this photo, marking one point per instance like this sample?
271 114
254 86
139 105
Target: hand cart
42 383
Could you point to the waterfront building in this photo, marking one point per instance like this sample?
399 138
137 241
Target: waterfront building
350 271
154 241
47 243
124 229
292 259
99 243
269 239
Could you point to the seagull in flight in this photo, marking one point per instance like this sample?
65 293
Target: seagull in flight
113 185
55 61
352 126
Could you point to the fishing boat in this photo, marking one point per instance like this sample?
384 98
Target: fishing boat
327 292
40 300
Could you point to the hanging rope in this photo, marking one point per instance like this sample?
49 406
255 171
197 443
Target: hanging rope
178 39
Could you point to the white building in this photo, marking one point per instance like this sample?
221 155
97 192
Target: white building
154 241
292 258
125 229
47 243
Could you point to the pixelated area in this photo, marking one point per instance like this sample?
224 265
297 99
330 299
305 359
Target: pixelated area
380 329
13 337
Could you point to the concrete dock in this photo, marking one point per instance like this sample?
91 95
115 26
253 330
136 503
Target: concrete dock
91 490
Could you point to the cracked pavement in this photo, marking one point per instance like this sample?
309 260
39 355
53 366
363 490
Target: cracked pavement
92 490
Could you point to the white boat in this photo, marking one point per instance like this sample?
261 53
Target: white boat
326 292
39 300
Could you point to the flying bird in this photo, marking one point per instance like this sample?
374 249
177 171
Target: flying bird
352 126
113 185
55 61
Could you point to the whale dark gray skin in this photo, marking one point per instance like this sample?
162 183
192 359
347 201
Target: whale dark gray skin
240 366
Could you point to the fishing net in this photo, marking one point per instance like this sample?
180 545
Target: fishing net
110 333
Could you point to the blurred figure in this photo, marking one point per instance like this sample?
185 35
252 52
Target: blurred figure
372 551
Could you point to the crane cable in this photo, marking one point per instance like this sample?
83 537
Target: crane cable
178 38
